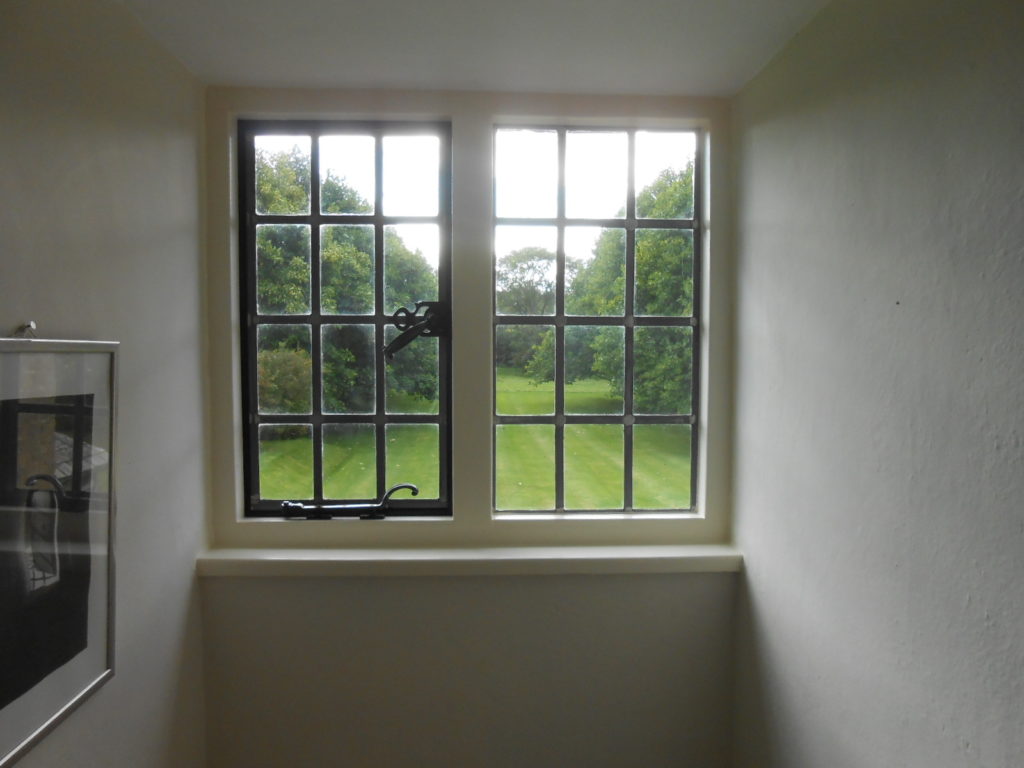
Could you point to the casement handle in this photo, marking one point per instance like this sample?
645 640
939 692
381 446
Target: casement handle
372 511
432 322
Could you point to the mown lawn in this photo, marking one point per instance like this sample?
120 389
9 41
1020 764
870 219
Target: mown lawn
519 396
593 466
286 466
525 456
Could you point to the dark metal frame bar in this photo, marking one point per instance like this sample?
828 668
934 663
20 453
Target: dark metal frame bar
628 321
317 319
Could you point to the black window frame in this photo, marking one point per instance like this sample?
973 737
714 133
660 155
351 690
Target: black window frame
320 507
629 321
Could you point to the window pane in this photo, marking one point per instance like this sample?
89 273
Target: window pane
282 174
412 376
524 359
350 463
662 370
525 270
664 272
284 369
347 174
411 254
346 269
594 367
664 174
526 173
413 456
595 271
661 466
411 175
525 467
594 468
349 372
282 269
595 174
286 461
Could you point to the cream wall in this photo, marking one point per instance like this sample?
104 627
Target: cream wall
99 239
554 670
503 672
880 434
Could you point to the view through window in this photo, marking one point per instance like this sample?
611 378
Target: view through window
597 304
345 241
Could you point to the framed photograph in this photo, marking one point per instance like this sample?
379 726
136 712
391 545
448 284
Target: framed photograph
56 532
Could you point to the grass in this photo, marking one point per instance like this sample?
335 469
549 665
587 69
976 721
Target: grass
286 466
593 462
518 395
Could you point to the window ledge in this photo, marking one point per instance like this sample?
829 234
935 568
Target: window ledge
508 561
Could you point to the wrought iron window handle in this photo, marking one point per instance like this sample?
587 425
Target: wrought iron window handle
371 511
432 322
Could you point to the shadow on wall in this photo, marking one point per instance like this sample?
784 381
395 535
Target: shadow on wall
752 713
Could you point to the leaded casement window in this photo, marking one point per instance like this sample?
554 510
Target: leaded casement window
344 249
596 320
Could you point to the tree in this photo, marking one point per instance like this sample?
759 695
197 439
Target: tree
525 282
282 181
346 269
662 356
597 286
525 285
337 197
282 269
348 369
283 264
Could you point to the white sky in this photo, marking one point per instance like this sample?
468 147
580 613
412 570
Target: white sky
526 169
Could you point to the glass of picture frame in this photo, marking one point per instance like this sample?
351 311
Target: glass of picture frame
57 408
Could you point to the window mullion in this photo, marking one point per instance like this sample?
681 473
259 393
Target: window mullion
380 429
315 307
560 332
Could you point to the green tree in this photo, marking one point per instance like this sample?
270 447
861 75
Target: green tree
347 287
284 372
525 282
284 380
346 269
282 269
597 287
337 197
409 278
348 369
282 181
662 356
514 345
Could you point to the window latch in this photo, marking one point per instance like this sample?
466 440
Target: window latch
372 511
432 322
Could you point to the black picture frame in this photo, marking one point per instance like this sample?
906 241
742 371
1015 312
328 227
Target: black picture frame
57 424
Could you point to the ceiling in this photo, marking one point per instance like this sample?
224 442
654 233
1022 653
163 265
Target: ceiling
692 47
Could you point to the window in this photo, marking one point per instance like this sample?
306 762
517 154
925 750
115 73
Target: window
345 285
580 179
596 321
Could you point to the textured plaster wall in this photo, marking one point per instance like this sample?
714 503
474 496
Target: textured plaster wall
880 382
503 672
99 238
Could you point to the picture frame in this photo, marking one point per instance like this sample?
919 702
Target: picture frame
57 428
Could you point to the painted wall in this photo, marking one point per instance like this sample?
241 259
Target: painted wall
99 239
543 671
466 671
880 381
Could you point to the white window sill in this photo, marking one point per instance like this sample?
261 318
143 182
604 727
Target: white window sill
513 561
